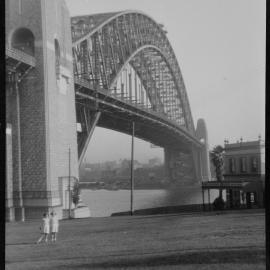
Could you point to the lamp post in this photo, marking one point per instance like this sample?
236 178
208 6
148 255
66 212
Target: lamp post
200 156
15 79
131 170
69 185
201 173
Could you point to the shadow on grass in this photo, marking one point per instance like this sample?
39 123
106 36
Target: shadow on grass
254 256
21 244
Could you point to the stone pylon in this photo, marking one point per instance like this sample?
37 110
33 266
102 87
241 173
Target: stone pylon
202 135
191 166
40 115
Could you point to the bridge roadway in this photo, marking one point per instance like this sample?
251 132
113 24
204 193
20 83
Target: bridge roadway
118 115
149 125
19 61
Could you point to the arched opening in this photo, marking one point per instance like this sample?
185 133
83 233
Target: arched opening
57 59
24 40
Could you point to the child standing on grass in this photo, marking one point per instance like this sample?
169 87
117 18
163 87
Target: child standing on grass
45 227
55 225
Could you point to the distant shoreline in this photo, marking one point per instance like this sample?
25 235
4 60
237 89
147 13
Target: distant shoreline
136 188
115 189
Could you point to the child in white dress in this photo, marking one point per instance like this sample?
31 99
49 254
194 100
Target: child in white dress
54 225
45 227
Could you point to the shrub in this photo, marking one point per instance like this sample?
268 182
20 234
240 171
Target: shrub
218 204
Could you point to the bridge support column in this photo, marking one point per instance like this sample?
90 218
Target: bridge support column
201 134
90 123
196 155
179 167
167 164
42 111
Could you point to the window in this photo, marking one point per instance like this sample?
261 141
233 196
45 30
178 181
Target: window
57 59
254 164
243 164
232 165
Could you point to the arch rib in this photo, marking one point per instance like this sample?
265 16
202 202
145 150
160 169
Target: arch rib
151 36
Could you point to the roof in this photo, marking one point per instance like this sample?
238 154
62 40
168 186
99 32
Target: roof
241 144
244 185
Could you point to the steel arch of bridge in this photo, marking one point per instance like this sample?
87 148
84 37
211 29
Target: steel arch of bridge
104 43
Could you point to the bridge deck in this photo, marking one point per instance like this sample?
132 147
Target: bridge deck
20 56
150 125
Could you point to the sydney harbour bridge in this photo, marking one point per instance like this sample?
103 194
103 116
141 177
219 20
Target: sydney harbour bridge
65 76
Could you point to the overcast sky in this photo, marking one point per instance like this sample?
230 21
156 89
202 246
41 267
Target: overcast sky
220 48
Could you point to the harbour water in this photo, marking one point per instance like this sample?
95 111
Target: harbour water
105 202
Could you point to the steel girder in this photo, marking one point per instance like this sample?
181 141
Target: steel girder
18 64
104 43
118 114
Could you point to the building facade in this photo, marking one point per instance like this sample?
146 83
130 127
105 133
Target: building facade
245 167
244 175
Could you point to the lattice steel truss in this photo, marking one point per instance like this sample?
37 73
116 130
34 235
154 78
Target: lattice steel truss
103 44
18 64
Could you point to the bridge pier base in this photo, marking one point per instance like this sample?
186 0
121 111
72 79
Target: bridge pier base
191 166
179 167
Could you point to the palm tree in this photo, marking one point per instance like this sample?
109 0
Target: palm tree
76 193
216 156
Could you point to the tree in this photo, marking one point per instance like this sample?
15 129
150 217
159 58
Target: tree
76 193
216 156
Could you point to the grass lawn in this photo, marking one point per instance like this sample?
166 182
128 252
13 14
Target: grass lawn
234 240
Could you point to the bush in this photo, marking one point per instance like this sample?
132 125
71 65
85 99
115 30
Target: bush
76 194
218 204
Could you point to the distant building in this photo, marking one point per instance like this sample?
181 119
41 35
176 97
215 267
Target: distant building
154 162
244 174
110 165
124 166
